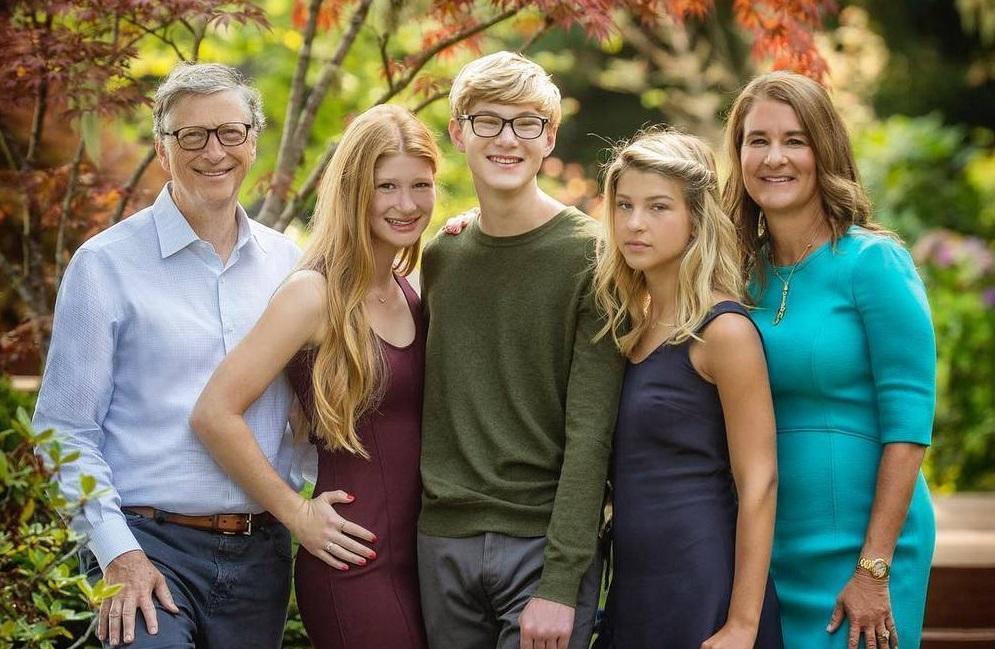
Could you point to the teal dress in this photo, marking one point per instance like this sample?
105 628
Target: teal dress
852 368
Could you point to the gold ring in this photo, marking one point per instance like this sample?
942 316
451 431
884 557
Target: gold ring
885 634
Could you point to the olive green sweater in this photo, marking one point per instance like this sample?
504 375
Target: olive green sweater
519 404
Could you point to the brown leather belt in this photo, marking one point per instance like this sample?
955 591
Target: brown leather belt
222 523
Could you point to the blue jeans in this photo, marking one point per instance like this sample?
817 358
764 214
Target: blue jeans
232 591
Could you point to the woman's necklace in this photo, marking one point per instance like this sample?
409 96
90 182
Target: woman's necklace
385 295
786 283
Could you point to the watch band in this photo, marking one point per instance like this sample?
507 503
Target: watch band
876 567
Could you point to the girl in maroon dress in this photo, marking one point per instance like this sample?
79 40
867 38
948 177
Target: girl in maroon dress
348 328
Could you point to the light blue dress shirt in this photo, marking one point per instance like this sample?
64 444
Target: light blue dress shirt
145 313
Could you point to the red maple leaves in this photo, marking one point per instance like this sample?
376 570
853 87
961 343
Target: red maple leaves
783 30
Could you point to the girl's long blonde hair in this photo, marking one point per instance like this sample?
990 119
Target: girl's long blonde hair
711 262
349 368
844 200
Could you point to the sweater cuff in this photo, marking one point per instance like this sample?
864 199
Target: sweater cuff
559 586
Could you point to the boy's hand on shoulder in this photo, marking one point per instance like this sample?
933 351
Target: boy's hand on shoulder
545 624
456 224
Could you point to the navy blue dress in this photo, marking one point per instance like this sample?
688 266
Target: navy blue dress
674 509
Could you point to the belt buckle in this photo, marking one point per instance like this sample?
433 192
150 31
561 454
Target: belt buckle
246 532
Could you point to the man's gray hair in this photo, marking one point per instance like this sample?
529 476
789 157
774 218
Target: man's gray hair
203 79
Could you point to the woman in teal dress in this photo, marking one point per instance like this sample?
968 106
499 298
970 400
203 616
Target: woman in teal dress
851 355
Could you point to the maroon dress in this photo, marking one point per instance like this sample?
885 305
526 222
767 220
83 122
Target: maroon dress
374 606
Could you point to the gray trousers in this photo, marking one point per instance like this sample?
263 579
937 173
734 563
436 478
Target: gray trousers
232 591
473 590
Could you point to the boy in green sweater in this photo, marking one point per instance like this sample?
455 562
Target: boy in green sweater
519 403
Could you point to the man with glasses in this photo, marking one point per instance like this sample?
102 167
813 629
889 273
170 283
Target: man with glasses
519 403
146 310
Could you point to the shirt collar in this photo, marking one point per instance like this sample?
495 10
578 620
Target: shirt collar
174 230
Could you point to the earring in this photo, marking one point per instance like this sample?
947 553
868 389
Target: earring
761 226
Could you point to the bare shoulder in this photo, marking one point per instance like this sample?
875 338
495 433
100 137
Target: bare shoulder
730 330
302 293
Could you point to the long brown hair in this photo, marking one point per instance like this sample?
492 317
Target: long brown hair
349 368
710 263
844 200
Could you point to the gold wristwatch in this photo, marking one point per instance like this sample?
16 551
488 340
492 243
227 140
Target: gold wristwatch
878 568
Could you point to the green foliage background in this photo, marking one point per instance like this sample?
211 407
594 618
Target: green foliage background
922 136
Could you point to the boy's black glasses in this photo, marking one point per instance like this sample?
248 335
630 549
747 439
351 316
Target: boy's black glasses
526 127
194 138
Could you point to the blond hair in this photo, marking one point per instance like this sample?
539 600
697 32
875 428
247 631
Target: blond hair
710 263
505 78
843 197
349 368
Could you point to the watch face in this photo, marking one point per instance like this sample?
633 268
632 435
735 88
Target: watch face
879 568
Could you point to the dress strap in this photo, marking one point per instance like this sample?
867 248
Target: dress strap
414 304
726 306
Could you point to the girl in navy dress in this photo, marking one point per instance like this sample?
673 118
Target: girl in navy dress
694 469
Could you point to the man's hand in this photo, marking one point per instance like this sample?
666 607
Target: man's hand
139 579
545 624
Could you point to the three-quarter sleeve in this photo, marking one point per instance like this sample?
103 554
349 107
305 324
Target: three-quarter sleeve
75 395
891 300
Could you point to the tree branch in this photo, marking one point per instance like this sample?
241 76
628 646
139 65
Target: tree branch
41 105
281 180
442 94
86 634
292 206
10 153
155 32
546 26
385 59
129 186
292 150
12 273
430 53
329 73
66 206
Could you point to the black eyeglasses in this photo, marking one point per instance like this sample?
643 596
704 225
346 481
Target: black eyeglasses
194 138
526 127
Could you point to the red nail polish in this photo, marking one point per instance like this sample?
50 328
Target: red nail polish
373 555
375 538
344 568
350 497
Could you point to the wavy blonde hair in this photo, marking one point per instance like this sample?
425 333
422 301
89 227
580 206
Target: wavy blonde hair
349 368
711 262
844 199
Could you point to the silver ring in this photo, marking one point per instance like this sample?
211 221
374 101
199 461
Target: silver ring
328 547
342 525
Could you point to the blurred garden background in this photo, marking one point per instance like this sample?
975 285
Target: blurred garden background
915 80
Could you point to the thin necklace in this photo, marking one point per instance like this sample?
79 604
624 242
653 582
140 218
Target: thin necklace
383 299
786 283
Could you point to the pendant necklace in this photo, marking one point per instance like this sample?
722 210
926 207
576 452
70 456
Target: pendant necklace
786 283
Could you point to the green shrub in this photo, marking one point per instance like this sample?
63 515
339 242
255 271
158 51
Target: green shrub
935 185
44 602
